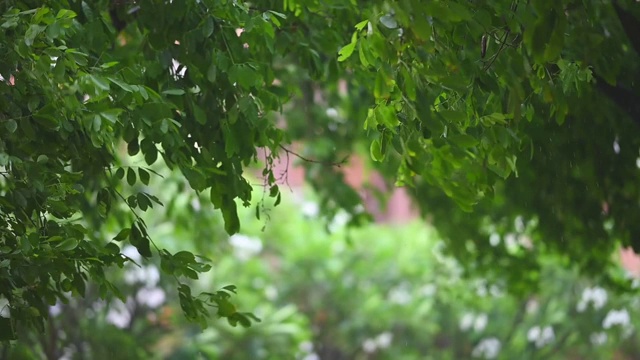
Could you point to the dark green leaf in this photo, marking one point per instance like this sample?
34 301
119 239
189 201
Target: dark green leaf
131 177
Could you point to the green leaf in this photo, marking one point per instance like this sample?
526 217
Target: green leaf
463 140
230 215
346 51
119 173
144 176
199 115
453 117
409 84
243 75
121 84
376 150
225 308
123 234
131 177
174 92
11 125
133 147
68 244
389 21
47 117
32 32
212 73
7 331
362 24
150 151
140 241
42 159
381 90
387 116
100 82
111 115
280 15
65 14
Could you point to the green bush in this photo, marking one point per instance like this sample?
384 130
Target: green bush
376 292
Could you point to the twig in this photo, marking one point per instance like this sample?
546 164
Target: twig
495 56
322 162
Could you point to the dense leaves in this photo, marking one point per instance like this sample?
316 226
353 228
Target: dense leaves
514 110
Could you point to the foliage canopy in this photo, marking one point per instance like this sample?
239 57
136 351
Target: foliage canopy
523 113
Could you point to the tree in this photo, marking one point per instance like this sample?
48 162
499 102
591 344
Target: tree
518 112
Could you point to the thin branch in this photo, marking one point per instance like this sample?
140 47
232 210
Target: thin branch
322 162
495 56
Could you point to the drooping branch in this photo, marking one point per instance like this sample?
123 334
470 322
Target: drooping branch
627 100
630 24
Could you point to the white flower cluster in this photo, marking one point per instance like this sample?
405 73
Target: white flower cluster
149 295
382 341
596 296
245 247
400 295
599 338
616 317
483 289
541 336
488 348
477 322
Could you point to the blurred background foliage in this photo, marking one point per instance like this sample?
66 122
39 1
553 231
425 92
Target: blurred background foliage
448 122
324 290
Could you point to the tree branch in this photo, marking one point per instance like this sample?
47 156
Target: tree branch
626 99
323 162
630 24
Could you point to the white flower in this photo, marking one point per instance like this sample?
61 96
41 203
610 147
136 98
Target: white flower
339 221
399 295
369 346
148 275
119 314
467 321
480 322
195 204
55 310
481 290
532 306
131 252
541 336
428 290
310 209
519 224
270 292
511 242
175 66
599 338
383 340
306 347
152 276
151 297
488 348
245 247
581 307
311 356
332 112
495 291
616 317
596 296
494 239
